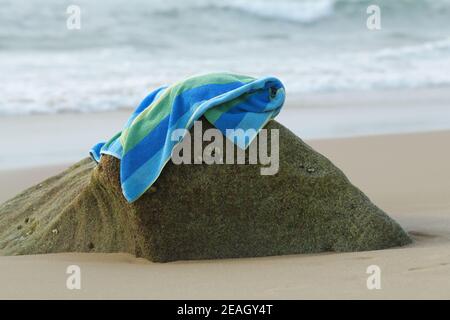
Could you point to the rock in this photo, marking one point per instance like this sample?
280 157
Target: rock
202 211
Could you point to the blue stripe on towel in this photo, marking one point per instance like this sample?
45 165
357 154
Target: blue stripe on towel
234 101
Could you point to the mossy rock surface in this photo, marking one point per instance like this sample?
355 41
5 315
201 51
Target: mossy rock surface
200 211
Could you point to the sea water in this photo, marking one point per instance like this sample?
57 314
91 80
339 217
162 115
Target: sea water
124 49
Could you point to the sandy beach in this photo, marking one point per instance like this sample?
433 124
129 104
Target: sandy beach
404 174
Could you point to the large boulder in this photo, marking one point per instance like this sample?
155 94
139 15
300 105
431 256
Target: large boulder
201 211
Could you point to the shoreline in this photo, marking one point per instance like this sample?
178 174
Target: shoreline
402 174
310 116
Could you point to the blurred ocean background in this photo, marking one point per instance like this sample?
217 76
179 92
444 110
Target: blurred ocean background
126 48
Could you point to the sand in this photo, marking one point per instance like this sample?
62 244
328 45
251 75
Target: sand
406 175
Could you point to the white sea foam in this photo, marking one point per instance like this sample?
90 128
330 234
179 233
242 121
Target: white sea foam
288 10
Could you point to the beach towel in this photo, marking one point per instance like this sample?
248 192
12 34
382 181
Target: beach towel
228 101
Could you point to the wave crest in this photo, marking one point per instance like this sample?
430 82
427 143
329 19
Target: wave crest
294 11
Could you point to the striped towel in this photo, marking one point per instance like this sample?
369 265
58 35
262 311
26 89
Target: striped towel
228 101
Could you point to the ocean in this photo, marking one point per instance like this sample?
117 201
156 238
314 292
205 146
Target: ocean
124 49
